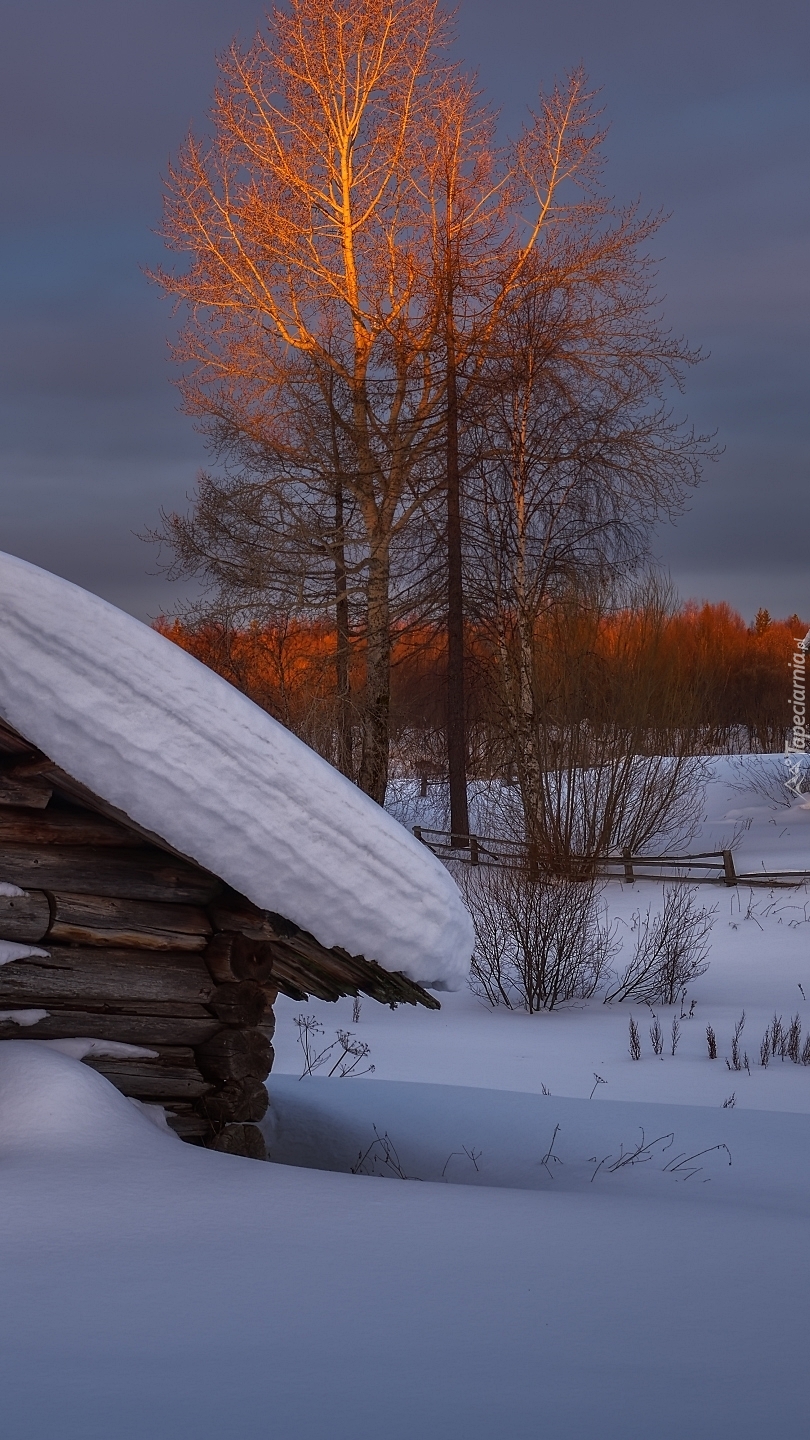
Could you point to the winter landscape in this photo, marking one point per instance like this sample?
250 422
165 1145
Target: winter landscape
404 779
474 1214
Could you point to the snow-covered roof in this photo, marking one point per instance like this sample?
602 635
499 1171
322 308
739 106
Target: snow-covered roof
183 754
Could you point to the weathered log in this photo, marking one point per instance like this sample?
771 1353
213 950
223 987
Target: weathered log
143 873
232 957
135 924
185 1122
231 911
33 761
13 743
88 979
294 990
23 767
235 1055
172 1074
34 794
148 1030
162 1009
302 966
267 1024
61 827
241 1004
245 1140
24 917
299 979
238 1100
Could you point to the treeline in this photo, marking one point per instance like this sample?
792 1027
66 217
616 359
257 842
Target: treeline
695 678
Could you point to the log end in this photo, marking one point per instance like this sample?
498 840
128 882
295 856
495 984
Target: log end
245 1140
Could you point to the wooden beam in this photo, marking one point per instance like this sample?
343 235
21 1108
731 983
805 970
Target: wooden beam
148 1030
75 978
232 957
245 1140
235 1055
61 827
33 794
173 1074
237 1100
24 917
131 924
183 1119
138 874
241 1005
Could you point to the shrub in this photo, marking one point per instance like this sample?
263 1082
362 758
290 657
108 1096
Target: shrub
671 950
538 942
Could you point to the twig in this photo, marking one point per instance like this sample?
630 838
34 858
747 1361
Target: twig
549 1155
677 1165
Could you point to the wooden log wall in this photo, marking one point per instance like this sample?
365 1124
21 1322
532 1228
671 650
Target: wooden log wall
125 933
144 948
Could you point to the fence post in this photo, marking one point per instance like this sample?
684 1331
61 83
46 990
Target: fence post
629 877
473 849
730 873
417 830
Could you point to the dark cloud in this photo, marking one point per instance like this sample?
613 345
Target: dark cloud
708 111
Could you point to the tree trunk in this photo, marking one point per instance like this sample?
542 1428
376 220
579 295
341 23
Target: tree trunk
342 651
530 773
456 727
373 778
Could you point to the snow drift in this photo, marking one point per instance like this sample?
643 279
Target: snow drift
49 1101
182 753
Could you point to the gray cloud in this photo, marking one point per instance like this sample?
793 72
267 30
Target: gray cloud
708 108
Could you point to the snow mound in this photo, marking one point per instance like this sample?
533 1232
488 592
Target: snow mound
182 753
50 1101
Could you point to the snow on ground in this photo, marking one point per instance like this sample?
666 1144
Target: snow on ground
759 963
535 1283
152 1291
182 753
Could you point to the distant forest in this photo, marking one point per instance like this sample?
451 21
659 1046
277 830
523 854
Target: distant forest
698 673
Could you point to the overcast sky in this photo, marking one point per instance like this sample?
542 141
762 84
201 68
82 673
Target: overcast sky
709 109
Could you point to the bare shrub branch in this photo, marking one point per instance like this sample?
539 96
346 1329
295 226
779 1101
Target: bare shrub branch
538 942
671 949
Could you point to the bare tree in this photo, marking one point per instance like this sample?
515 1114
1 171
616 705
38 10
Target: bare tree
306 233
578 456
354 238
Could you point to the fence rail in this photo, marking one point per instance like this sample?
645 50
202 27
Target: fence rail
713 866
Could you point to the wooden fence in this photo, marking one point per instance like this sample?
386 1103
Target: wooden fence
708 866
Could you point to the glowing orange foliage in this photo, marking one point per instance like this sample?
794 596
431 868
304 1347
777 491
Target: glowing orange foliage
740 674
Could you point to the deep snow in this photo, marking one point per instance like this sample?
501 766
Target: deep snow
759 964
522 1282
152 1291
181 752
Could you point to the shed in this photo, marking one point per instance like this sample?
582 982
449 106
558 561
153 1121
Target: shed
171 858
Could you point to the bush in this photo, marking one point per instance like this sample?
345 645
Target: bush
538 942
671 950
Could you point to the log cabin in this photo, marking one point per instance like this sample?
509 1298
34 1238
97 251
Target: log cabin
171 859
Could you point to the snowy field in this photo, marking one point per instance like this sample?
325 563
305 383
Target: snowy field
622 1258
